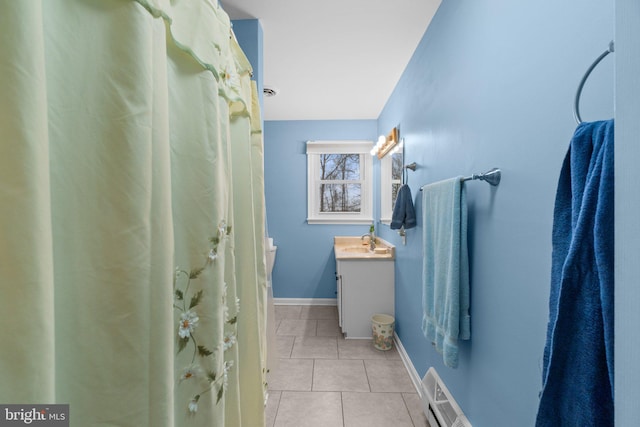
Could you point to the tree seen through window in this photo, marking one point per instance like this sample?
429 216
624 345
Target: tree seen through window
340 183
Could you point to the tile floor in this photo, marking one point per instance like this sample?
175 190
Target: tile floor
324 380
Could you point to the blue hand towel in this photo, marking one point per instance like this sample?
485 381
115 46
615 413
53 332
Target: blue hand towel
403 212
578 356
445 268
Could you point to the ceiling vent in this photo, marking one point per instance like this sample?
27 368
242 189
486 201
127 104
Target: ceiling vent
269 92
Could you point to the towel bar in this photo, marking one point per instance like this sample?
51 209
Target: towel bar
492 177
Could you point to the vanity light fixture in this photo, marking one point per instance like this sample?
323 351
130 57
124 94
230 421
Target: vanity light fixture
386 144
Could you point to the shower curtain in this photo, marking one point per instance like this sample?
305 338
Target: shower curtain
132 270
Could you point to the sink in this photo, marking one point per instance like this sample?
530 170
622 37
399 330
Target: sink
354 247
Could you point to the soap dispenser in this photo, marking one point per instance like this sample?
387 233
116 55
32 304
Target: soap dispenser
372 237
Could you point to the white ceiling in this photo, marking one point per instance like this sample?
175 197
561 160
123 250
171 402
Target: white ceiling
334 59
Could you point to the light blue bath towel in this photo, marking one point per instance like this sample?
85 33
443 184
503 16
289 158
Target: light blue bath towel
445 268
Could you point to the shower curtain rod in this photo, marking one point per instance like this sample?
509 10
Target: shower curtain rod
576 102
492 177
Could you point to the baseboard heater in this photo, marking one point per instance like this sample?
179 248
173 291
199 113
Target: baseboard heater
439 407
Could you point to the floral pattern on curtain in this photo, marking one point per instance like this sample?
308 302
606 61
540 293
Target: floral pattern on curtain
131 214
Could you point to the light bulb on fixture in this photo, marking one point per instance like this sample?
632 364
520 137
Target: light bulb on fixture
398 147
385 144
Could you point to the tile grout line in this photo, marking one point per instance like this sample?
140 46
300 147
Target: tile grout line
292 347
275 417
366 373
407 408
342 408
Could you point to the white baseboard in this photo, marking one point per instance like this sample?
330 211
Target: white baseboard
305 301
413 374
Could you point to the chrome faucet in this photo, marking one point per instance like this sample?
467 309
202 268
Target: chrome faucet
372 240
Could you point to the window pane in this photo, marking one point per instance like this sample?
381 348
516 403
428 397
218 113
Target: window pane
394 195
340 166
396 166
339 197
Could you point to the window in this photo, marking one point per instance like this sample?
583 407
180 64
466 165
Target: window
339 179
390 183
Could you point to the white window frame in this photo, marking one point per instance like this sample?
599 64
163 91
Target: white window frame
363 148
386 183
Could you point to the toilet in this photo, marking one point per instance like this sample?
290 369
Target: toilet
271 257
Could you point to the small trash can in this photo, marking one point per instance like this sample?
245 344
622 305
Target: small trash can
382 325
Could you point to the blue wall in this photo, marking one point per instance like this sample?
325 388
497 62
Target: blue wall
492 85
305 263
627 234
250 38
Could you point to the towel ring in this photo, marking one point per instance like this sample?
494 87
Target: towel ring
576 103
411 166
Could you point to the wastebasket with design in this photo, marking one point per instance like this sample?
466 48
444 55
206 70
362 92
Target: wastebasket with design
382 325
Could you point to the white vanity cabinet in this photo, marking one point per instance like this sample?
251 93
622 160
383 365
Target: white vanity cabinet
365 287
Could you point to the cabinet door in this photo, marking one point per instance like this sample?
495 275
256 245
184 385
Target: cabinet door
367 288
339 292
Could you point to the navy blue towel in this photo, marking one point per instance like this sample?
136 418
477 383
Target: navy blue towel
403 211
578 366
